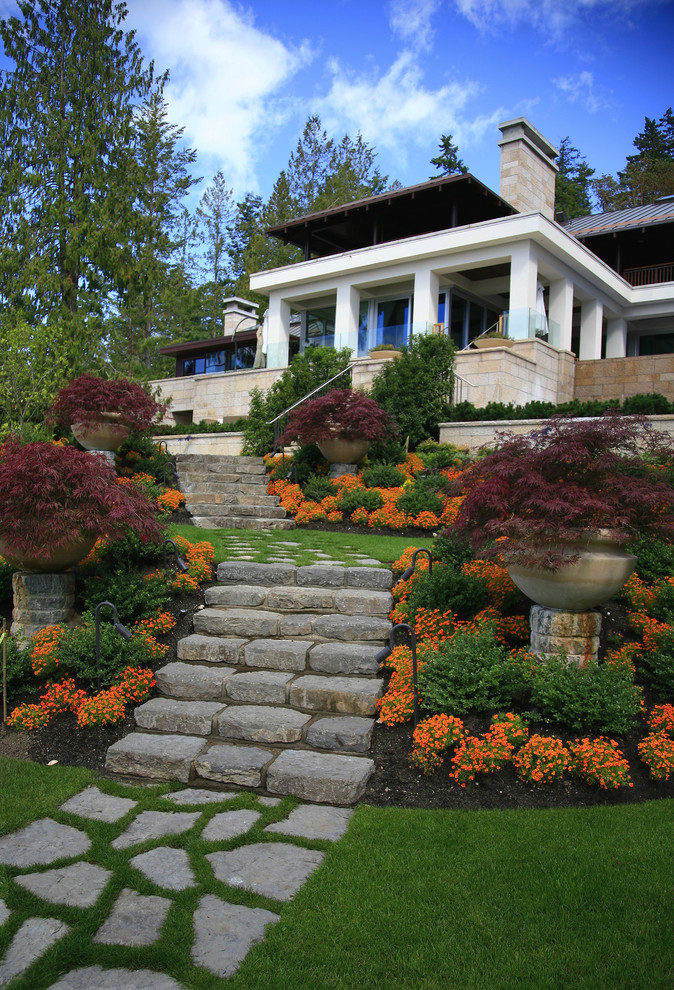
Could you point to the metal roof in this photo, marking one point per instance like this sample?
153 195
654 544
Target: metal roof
662 211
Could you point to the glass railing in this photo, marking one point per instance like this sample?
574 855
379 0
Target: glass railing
523 324
395 336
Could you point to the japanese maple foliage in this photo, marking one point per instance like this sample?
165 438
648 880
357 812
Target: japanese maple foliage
547 490
51 495
83 400
339 413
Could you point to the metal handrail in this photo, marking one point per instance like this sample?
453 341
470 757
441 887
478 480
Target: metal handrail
309 394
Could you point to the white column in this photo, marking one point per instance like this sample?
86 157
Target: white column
616 338
591 316
425 305
523 285
346 318
561 311
279 332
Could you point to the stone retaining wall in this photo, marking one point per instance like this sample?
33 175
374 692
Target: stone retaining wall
476 435
618 378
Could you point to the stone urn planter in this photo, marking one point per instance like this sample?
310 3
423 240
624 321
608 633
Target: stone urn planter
340 451
58 560
600 571
108 433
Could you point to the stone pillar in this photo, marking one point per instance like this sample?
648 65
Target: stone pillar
554 630
41 600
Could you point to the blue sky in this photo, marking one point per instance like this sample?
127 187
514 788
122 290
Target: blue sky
245 76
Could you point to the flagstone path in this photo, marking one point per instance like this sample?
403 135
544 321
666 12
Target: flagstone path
222 931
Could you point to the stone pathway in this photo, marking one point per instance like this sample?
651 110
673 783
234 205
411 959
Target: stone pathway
222 932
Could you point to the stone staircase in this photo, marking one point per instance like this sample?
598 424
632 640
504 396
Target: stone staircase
229 492
276 688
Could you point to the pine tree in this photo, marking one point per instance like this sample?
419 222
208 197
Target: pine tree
572 189
309 165
214 213
448 161
66 118
647 175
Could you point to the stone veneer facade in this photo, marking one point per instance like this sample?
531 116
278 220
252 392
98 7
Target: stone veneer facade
618 378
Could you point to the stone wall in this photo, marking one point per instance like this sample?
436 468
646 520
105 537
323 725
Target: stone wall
476 435
222 444
618 378
528 370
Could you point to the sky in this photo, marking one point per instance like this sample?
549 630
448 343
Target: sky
244 77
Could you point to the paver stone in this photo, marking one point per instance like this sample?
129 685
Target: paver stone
79 885
97 978
42 842
229 824
134 920
155 825
314 821
223 934
31 941
166 867
272 869
93 803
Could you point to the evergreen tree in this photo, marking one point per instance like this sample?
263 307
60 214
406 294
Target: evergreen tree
309 165
572 189
161 179
247 223
351 174
215 211
647 175
448 161
66 119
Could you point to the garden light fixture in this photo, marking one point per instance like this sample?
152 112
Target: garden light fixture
410 570
118 627
169 466
386 652
180 563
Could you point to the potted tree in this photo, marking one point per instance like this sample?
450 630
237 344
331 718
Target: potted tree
559 505
55 501
342 423
102 412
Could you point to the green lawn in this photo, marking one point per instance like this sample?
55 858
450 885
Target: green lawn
571 898
339 546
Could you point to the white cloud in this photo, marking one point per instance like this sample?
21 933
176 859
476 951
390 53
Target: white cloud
411 20
551 17
226 76
394 109
581 89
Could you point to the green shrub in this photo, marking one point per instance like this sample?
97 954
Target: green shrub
6 571
596 698
470 672
660 665
383 476
77 651
417 387
655 559
419 498
359 498
19 671
435 456
128 554
648 404
452 550
662 608
448 591
182 429
141 454
134 596
318 488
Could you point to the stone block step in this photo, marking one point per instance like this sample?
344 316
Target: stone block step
204 481
290 598
228 763
231 498
191 718
158 757
346 695
325 778
251 623
344 658
241 522
193 681
262 724
346 733
236 509
212 649
214 462
310 575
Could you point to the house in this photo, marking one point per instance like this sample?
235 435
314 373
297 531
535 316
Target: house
589 304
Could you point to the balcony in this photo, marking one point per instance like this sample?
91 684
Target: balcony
649 275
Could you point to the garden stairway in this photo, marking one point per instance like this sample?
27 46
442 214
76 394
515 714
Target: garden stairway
229 491
276 688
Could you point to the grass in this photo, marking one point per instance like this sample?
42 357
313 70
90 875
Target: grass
486 900
300 544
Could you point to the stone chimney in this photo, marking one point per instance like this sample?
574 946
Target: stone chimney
528 168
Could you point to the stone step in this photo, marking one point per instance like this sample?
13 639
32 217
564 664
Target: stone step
230 498
328 778
324 658
247 484
310 575
236 509
255 723
307 692
290 598
253 623
241 522
213 462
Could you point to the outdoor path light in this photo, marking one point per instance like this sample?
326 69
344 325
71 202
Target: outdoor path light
118 627
386 652
180 563
169 466
410 570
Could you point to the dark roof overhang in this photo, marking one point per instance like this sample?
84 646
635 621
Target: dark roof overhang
451 201
214 343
